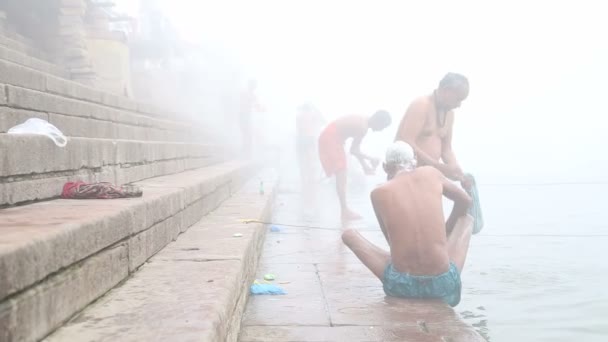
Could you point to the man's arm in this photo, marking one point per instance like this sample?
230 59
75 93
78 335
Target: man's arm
411 128
375 197
355 150
462 202
451 169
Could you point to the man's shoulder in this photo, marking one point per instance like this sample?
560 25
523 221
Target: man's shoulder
428 172
419 106
380 191
421 101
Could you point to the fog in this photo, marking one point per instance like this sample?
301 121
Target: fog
535 113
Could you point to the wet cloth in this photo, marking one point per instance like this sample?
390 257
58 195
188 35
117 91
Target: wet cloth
446 286
475 208
331 150
82 190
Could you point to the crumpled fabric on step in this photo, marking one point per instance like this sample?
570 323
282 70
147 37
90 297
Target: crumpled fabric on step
102 190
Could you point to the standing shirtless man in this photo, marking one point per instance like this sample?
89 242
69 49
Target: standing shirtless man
331 150
424 261
427 127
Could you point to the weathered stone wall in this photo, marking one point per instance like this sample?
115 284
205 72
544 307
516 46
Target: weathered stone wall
111 138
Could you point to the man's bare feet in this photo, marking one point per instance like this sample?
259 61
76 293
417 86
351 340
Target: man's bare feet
349 215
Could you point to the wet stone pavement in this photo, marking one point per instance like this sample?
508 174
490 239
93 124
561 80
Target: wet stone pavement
331 296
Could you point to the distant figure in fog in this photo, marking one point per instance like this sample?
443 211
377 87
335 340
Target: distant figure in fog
333 157
427 253
248 104
309 122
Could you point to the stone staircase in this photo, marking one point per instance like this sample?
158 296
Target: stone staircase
58 256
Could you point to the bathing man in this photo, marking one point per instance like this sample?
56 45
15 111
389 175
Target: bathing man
427 254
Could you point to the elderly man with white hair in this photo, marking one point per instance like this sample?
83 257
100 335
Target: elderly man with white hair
427 253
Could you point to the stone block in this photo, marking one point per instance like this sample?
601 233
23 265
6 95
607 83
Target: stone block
33 189
110 100
32 315
161 168
131 132
136 173
40 101
163 203
129 152
72 4
83 127
149 242
10 117
126 117
126 103
38 154
71 125
177 293
72 11
64 235
43 156
71 89
101 152
14 74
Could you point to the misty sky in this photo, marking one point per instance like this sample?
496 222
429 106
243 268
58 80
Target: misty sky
537 70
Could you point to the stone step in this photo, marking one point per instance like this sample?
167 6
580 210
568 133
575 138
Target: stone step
56 257
9 53
83 118
33 168
17 75
193 290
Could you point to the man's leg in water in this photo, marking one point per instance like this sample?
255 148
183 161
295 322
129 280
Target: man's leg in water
372 256
347 214
458 240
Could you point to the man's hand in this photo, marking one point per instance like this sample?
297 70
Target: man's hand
467 183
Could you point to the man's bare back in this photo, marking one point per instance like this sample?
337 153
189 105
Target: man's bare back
352 126
409 209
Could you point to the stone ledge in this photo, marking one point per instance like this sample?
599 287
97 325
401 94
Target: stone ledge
16 74
89 114
195 289
23 59
35 154
49 187
54 252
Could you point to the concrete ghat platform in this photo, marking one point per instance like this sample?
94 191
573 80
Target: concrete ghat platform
331 296
193 290
56 257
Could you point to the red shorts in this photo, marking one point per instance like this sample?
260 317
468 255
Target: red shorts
331 151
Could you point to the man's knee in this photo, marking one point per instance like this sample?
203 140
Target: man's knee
348 236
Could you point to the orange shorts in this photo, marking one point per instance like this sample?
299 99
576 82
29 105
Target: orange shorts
331 151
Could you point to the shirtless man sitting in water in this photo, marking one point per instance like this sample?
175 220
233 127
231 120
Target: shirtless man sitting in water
427 254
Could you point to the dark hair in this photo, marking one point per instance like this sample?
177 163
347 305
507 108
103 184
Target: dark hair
452 79
381 118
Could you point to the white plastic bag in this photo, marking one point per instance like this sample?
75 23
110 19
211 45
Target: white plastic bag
40 127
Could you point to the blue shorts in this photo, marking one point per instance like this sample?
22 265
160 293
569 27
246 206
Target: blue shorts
446 286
